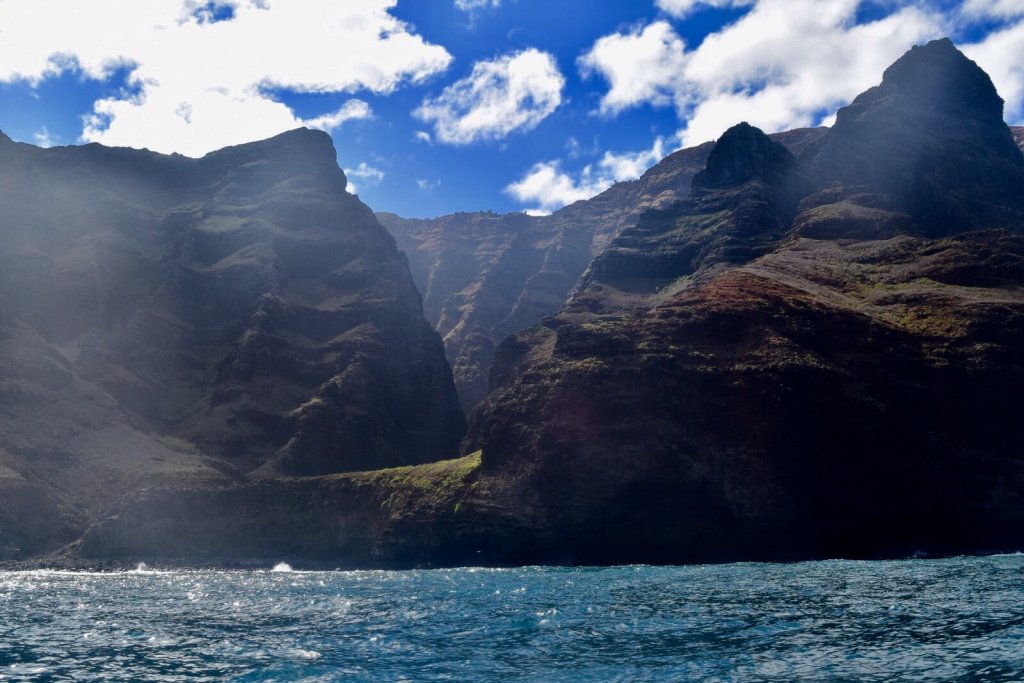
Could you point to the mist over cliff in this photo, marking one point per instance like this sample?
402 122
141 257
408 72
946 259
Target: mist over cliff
802 345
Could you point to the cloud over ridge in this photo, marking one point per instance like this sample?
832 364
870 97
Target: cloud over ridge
202 82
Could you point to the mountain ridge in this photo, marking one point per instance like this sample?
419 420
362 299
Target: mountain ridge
787 363
485 276
683 398
201 322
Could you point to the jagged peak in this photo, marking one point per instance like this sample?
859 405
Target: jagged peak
742 154
931 137
939 76
931 80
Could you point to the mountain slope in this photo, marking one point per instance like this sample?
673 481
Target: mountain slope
485 276
174 321
794 361
743 375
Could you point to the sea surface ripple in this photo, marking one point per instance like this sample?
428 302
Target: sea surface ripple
959 619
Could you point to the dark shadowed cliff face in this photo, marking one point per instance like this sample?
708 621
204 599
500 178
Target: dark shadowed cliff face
738 380
485 276
932 138
170 320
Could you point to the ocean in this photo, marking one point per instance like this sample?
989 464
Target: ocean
958 619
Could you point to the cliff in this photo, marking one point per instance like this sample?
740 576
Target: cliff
485 276
173 322
801 358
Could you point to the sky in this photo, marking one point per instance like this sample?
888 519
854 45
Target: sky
438 106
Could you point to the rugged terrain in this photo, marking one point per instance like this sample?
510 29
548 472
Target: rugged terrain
810 358
174 322
810 355
484 276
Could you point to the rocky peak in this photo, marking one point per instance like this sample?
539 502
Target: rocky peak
301 152
937 77
742 154
304 143
932 138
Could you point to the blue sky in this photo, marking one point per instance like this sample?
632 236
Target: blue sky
438 106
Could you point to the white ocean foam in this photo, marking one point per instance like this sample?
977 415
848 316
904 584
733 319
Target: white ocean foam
282 567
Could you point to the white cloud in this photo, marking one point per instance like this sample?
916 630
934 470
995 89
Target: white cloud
474 5
632 165
43 138
427 185
996 9
510 93
202 82
368 175
547 186
351 110
682 8
1000 55
422 136
643 65
785 64
366 172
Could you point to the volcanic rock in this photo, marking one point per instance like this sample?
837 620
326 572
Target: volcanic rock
485 276
799 359
194 322
735 381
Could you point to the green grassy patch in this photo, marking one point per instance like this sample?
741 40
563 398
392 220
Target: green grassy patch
179 445
435 483
8 473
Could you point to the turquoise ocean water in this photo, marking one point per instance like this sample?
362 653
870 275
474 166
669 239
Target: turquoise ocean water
959 619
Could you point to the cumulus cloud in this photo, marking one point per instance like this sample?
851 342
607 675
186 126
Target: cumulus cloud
683 8
422 136
510 93
784 64
643 65
1000 55
366 172
548 187
201 72
351 110
993 9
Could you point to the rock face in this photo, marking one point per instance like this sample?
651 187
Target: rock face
485 276
177 322
796 360
932 138
744 375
